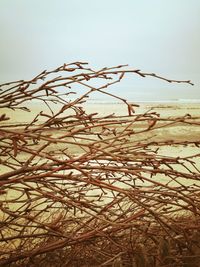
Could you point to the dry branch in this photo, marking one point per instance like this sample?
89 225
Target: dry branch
94 189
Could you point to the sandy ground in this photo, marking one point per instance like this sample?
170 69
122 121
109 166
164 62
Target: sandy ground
176 133
164 109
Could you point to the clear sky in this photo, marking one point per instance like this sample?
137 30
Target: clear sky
161 36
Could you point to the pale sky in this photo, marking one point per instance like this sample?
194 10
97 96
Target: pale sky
161 36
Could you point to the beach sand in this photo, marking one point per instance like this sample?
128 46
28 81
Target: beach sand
177 133
171 109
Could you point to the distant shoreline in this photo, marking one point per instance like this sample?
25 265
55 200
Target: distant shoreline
103 108
106 101
181 101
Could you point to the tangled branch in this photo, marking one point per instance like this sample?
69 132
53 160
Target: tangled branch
94 188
